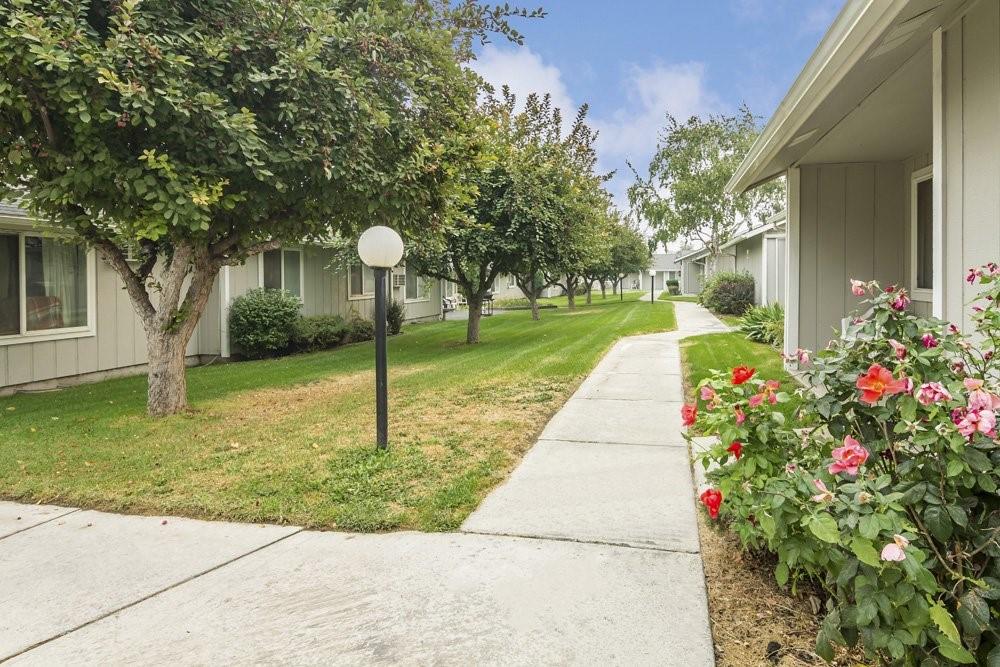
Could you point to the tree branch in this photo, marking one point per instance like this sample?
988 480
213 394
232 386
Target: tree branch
115 258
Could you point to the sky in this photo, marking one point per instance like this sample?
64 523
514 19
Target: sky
635 60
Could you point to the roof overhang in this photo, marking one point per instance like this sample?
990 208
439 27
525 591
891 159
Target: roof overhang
867 42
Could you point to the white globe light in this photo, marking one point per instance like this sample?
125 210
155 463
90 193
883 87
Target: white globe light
652 273
380 247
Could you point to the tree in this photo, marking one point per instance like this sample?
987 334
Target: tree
530 196
205 132
684 194
629 253
553 182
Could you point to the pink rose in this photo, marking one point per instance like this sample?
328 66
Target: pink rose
857 287
893 551
707 393
898 348
932 392
824 495
901 301
929 340
848 458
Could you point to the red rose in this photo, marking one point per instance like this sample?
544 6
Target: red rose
711 499
736 449
689 414
742 373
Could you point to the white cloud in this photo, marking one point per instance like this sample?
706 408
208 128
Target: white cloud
524 72
631 129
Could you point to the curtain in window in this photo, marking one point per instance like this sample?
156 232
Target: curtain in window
56 284
925 234
272 269
10 288
411 285
293 278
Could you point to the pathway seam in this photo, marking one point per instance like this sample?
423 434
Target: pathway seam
41 523
146 597
573 540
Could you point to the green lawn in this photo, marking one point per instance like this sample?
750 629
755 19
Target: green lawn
666 296
563 302
291 440
723 351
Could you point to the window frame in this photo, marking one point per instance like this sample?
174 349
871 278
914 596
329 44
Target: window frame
916 178
364 295
64 333
302 271
421 289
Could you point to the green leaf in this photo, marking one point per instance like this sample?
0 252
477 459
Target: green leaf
868 526
938 522
825 528
781 574
955 467
865 552
953 651
942 619
973 613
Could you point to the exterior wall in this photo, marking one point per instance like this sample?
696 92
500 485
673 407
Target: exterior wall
505 290
970 169
773 288
851 224
119 344
692 277
749 257
119 341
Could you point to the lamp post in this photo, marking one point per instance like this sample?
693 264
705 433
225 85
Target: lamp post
381 248
621 286
652 287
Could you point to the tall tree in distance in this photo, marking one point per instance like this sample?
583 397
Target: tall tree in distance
683 196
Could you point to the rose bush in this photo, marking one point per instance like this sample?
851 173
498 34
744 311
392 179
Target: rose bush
884 492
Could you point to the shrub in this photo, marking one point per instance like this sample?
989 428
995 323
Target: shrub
673 287
728 293
395 314
889 500
318 332
764 324
359 329
261 322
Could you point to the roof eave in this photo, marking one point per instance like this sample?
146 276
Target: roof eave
852 33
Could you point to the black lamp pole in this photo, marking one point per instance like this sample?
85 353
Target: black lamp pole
381 363
652 277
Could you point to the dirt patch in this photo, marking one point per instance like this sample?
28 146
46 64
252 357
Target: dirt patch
754 622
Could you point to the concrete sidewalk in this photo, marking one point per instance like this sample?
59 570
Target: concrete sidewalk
588 554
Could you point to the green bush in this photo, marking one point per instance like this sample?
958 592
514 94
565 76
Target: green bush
394 315
764 324
318 332
261 322
673 286
889 501
728 293
360 329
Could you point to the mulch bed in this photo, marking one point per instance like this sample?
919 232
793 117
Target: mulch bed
754 622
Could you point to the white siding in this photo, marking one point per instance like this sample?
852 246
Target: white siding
971 135
749 258
851 225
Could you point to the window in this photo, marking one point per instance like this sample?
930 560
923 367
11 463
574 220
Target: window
282 269
361 281
45 286
416 287
511 282
922 231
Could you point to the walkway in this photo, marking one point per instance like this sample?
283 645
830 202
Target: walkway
587 555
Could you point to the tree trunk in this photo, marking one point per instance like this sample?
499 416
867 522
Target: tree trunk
533 300
167 373
604 291
170 323
475 315
570 293
614 288
590 289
